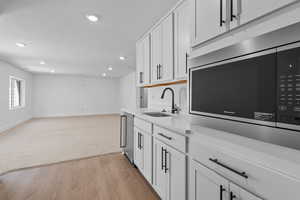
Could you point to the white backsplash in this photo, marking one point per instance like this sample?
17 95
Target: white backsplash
156 103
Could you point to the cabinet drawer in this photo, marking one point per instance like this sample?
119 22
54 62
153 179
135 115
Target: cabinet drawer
143 125
263 182
168 137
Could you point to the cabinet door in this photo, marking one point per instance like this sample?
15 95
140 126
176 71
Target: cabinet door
206 184
166 66
182 34
247 10
139 62
207 19
176 170
159 175
138 150
156 52
237 193
146 59
147 150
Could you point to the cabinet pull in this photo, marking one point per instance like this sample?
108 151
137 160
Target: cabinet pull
162 158
121 131
157 72
232 16
243 174
166 158
141 146
221 13
141 77
221 192
186 62
167 137
232 196
139 140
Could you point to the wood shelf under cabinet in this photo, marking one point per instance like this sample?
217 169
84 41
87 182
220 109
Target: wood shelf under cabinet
165 84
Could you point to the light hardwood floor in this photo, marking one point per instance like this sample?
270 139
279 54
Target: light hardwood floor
46 141
107 177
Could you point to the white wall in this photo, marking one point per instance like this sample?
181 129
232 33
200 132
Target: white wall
10 118
156 103
128 91
60 95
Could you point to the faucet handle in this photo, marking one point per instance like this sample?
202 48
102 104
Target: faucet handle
177 109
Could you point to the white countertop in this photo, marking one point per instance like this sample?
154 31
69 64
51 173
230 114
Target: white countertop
280 159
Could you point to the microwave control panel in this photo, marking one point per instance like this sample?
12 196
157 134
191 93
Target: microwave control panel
288 86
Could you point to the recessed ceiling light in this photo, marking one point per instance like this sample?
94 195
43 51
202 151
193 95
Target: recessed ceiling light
110 68
104 74
122 58
52 71
42 62
92 18
19 44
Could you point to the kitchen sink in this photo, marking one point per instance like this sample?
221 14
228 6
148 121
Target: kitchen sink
157 114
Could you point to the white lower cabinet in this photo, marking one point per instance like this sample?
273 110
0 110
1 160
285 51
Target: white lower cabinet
143 153
159 174
169 172
205 184
160 155
237 193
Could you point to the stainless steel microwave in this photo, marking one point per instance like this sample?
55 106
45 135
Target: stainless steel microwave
260 88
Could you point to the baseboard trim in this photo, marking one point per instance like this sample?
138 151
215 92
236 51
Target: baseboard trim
14 125
59 162
78 115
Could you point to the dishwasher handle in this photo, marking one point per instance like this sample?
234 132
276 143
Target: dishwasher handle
123 143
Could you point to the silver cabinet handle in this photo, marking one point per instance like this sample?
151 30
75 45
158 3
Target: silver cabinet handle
121 131
167 137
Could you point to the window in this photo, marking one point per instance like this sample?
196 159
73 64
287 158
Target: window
16 93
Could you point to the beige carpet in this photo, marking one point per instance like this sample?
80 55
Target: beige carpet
46 141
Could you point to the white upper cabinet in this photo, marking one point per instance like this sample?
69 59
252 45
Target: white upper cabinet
243 11
182 33
214 17
146 56
162 51
166 68
156 52
143 61
209 19
139 63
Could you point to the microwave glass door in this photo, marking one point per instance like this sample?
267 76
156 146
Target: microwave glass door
243 88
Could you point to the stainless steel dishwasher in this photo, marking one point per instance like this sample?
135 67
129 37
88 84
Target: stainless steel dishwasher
126 135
